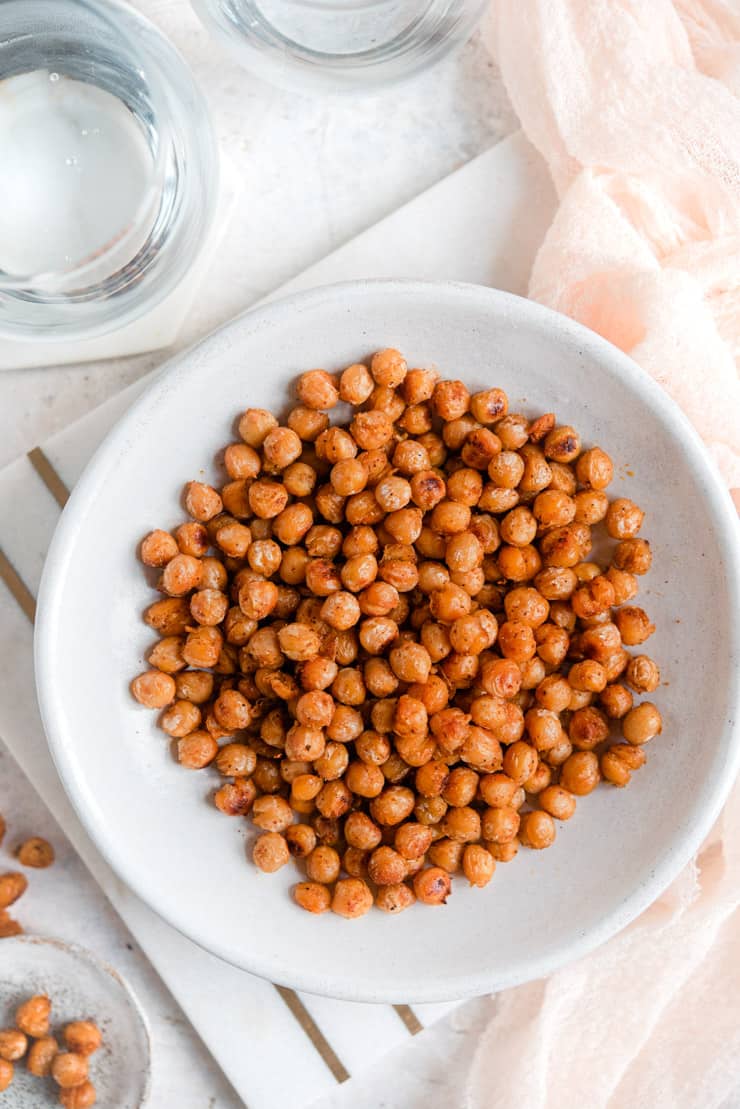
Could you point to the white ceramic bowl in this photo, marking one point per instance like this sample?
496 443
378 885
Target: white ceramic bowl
154 821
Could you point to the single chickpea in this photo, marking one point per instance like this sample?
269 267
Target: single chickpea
540 427
558 802
432 885
537 830
587 676
429 811
323 864
394 805
352 898
181 719
195 686
513 431
537 474
158 548
209 606
480 446
293 566
270 852
388 367
579 773
520 761
594 468
643 675
562 444
633 556
348 477
312 896
306 423
497 790
292 524
202 501
181 575
301 838
371 430
518 563
518 527
500 824
267 499
587 728
6 1074
254 425
13 1044
447 854
333 763
32 1016
411 457
395 898
272 814
346 724
642 723
417 419
153 689
450 603
316 389
616 701
613 769
236 760
478 865
386 867
504 852
489 406
41 1054
242 462
623 519
196 750
355 384
516 641
634 625
591 506
83 1037
235 495
299 479
543 728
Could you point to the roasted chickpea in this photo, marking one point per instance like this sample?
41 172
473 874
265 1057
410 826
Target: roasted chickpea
270 852
643 675
312 896
32 1016
520 762
623 518
634 625
352 898
579 773
154 689
158 548
633 555
13 1044
432 885
41 1054
537 830
642 723
594 468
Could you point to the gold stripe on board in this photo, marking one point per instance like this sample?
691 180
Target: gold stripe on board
49 476
409 1018
17 587
314 1033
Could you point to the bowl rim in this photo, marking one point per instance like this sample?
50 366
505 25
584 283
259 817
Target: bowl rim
518 312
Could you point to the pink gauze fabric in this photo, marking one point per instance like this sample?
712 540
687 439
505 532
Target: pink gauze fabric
635 105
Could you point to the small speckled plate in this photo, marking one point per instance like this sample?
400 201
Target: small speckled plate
80 988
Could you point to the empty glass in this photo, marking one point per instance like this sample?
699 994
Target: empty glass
108 167
339 45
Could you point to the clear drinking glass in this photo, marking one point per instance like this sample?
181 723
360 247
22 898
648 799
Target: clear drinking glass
108 167
339 45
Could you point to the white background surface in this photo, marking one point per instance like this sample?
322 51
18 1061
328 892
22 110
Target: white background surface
313 173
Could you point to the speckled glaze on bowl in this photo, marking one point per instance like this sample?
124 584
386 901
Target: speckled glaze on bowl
80 988
154 822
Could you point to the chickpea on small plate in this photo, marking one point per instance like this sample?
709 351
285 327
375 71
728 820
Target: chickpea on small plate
434 737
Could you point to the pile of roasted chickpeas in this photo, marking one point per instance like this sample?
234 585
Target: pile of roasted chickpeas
387 637
31 1038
